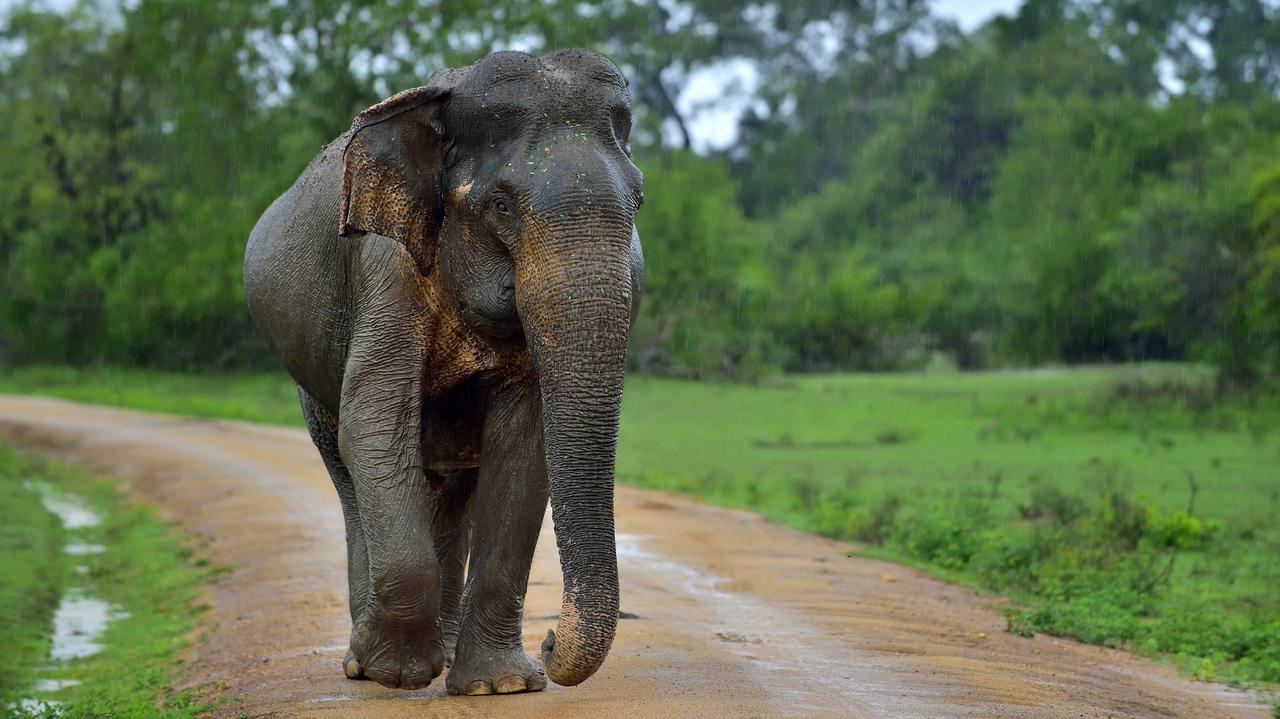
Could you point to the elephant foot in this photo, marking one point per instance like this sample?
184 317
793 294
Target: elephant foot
351 667
485 671
398 659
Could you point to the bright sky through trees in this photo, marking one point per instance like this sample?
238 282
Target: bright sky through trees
972 13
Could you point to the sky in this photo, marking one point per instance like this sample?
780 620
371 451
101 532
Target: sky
972 13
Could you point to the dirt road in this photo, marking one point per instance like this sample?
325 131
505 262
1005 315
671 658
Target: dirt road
733 616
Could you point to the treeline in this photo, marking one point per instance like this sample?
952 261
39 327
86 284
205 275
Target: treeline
1091 180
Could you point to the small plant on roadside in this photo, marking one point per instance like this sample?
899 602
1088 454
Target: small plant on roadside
1016 623
873 524
1048 501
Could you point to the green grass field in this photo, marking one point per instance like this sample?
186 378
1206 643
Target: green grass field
1071 492
145 572
1129 506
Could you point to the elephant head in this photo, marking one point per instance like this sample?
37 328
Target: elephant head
510 183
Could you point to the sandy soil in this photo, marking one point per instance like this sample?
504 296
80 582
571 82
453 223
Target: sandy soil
735 617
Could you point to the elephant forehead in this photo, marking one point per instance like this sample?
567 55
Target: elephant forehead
514 87
563 66
529 101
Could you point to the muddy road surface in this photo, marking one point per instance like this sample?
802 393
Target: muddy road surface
726 615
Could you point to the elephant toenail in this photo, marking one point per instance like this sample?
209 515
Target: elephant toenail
479 687
510 684
351 667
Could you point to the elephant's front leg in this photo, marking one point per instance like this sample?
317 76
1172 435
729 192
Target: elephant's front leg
506 513
396 639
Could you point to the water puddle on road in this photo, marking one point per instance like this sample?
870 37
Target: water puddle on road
72 511
80 619
790 653
55 685
77 624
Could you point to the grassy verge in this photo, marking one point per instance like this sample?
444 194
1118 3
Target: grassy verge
30 577
145 572
1127 506
268 398
1124 506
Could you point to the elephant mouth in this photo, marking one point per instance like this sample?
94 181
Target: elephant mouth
505 331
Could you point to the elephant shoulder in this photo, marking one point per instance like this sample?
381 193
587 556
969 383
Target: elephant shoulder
394 302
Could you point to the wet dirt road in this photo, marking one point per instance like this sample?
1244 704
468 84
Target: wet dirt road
734 617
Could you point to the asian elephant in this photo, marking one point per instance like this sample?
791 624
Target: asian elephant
451 284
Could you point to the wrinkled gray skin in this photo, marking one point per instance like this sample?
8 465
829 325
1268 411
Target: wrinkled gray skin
443 463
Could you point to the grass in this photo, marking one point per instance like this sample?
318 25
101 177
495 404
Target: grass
30 576
1128 506
146 572
1125 506
261 397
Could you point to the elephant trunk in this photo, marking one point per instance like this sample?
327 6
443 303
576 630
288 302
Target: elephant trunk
574 299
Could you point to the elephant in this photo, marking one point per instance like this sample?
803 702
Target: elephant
451 284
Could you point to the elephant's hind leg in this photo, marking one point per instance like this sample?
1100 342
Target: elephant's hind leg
324 433
450 534
505 516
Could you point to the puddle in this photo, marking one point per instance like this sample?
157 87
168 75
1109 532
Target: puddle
80 619
71 510
34 707
81 549
77 624
55 685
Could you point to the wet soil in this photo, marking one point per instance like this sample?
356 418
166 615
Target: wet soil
732 616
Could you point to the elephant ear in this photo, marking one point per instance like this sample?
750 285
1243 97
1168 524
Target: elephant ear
393 167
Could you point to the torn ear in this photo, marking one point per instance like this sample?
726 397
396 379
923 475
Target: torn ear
392 171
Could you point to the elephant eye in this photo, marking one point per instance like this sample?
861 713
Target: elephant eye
501 205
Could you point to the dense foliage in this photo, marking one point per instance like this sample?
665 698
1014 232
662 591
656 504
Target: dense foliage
1088 180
